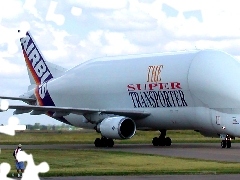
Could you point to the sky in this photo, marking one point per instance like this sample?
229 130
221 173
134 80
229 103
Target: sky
70 32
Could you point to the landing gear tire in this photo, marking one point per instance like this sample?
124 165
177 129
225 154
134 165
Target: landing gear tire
229 144
103 142
162 140
159 141
97 142
168 141
223 143
226 143
155 141
110 142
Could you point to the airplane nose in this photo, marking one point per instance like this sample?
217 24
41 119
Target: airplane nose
212 79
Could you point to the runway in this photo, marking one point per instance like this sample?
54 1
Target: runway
204 151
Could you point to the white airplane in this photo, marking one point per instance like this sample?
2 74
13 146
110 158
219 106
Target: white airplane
197 90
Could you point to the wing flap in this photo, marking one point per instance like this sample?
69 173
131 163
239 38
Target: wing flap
21 111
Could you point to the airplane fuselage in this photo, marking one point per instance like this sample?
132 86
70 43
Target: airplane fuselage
196 90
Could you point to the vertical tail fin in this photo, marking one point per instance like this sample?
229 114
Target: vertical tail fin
39 70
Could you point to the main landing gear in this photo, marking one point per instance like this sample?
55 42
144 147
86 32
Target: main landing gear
162 140
226 141
103 142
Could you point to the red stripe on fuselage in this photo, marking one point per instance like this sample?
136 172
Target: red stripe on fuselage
39 99
31 69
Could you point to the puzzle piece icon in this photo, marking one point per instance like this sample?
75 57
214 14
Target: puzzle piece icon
32 171
4 170
52 16
13 122
4 105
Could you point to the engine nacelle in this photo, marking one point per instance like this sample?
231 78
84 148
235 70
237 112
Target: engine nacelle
118 127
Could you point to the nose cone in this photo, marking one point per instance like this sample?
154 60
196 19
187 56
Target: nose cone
214 79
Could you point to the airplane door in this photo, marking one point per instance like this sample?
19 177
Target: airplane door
218 120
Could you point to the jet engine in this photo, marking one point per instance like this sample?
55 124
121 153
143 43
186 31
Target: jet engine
118 127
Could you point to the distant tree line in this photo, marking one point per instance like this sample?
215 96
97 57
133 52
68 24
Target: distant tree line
38 126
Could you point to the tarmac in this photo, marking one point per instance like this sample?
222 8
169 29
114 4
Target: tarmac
204 151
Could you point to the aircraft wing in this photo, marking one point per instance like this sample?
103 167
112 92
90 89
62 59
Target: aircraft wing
62 111
30 100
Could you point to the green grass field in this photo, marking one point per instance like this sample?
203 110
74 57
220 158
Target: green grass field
99 162
85 162
88 137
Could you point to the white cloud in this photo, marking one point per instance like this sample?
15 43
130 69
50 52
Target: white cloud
29 6
118 44
10 69
219 18
51 15
9 36
59 46
10 9
178 45
126 20
95 37
101 4
96 28
76 11
131 18
105 43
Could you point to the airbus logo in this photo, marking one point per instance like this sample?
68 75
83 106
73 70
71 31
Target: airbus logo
35 61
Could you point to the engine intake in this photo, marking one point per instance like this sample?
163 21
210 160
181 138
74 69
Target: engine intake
118 127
